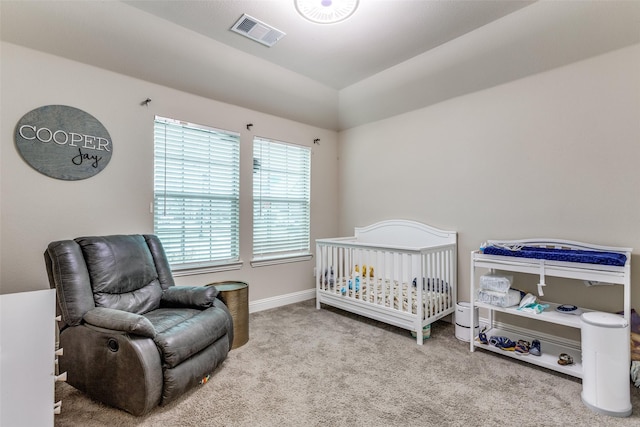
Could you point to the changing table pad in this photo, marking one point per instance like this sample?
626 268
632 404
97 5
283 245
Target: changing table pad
553 254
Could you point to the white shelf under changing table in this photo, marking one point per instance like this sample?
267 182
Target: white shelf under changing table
550 349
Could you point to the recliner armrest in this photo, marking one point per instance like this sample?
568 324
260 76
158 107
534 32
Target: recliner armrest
119 320
189 296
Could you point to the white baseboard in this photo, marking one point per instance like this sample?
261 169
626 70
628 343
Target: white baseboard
280 300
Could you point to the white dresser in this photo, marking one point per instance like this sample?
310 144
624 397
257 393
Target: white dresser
27 358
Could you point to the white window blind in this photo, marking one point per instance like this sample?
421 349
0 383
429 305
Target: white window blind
196 193
281 198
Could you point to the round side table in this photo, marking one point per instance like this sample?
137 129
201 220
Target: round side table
235 295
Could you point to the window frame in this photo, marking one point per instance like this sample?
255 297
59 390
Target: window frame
296 254
210 197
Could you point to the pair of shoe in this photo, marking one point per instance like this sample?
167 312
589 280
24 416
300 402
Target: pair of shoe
482 337
535 348
503 343
522 347
565 359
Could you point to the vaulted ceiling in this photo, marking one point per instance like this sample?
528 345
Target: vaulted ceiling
390 57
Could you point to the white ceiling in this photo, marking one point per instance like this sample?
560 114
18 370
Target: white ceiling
381 34
390 57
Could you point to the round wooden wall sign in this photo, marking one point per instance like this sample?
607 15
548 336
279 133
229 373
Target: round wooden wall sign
63 142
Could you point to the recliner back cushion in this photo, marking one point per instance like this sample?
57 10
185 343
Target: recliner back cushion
122 272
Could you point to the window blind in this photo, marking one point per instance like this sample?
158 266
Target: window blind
281 198
196 193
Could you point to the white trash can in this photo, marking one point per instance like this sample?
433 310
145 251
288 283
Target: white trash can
606 363
463 321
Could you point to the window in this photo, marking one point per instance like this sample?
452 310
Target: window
281 200
196 194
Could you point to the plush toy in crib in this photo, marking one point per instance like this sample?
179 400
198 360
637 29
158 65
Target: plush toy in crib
328 277
365 269
357 282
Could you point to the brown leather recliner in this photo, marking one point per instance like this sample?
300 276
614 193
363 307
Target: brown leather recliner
131 338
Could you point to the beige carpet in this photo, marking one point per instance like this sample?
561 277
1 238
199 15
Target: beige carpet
308 367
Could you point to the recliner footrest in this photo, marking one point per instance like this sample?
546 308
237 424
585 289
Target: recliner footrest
189 373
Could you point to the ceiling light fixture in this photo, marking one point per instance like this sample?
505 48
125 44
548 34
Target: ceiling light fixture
326 11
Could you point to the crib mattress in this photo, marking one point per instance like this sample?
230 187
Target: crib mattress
553 254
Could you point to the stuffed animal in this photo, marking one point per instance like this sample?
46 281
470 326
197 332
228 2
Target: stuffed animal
357 282
328 277
366 269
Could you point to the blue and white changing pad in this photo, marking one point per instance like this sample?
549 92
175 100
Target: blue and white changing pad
553 254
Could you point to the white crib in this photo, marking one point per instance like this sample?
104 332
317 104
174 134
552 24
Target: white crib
398 272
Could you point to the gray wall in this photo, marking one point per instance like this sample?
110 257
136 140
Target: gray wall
36 209
553 155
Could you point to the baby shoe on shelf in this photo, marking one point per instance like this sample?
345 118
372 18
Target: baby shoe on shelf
522 347
535 348
565 359
503 343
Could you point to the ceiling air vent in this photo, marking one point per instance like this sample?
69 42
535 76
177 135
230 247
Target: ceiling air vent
256 30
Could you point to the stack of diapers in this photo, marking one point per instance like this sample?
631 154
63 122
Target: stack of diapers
495 289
